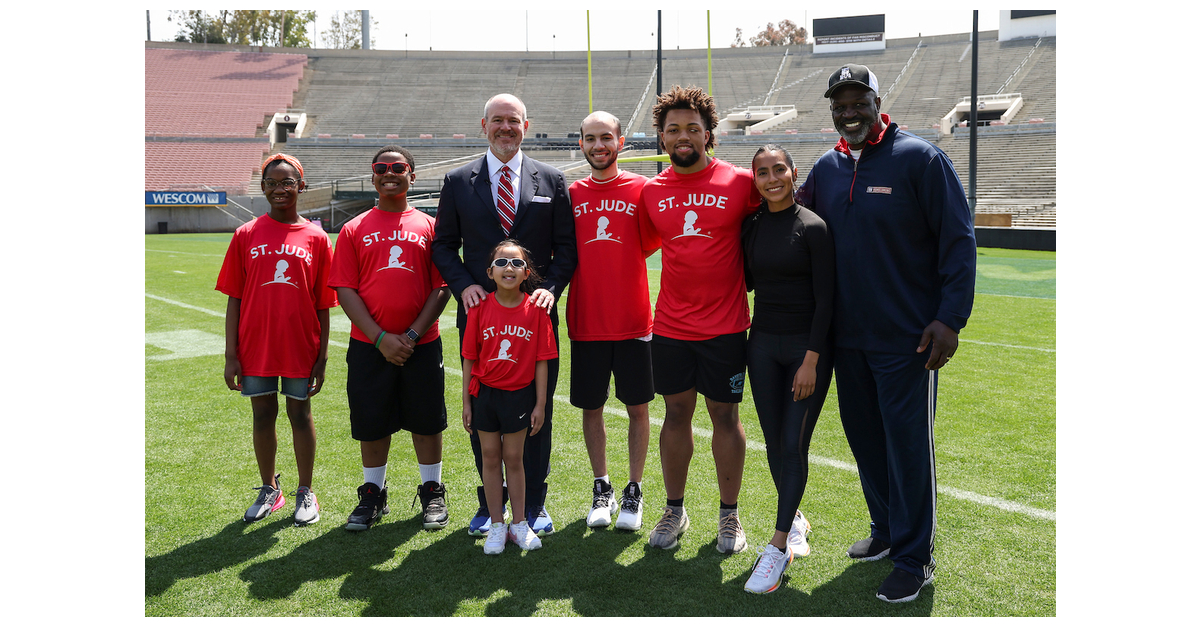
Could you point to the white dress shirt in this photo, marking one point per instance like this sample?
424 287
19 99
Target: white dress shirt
494 164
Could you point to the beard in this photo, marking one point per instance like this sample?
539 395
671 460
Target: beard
685 162
856 137
601 165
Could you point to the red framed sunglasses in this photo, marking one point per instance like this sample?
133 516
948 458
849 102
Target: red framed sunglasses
398 167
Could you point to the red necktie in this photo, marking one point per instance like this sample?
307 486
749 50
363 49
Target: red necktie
507 207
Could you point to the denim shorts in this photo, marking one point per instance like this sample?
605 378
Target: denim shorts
261 386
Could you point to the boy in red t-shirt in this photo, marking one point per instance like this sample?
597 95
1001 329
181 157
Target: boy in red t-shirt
608 314
276 274
393 295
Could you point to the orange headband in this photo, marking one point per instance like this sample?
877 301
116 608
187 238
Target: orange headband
294 162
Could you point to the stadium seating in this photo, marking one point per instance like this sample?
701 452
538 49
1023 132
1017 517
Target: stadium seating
431 103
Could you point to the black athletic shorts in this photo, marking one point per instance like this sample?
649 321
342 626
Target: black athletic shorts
385 398
593 364
504 411
715 367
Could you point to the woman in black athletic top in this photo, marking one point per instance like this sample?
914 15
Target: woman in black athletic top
788 256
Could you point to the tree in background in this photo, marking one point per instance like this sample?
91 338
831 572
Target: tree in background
787 34
256 28
345 31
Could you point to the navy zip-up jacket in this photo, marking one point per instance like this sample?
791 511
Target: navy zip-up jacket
903 238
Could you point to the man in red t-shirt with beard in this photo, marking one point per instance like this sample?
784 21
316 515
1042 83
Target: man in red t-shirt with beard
608 314
696 207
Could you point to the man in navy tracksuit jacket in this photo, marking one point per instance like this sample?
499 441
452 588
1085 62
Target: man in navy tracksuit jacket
905 252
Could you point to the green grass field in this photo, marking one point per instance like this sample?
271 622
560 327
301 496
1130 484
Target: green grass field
996 476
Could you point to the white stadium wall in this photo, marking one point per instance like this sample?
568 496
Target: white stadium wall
1022 27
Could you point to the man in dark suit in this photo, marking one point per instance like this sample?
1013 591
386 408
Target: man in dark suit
474 214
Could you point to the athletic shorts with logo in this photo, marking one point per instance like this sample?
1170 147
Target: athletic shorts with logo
504 411
385 398
627 362
716 367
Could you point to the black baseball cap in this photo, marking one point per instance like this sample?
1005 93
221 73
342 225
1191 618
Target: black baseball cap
852 74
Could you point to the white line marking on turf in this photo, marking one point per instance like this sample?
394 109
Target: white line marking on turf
758 446
185 343
177 252
1030 348
1016 296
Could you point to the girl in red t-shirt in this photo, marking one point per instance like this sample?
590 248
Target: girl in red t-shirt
506 344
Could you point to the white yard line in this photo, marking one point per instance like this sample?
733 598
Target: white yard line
447 322
1028 348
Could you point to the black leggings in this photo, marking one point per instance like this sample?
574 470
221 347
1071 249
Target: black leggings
787 425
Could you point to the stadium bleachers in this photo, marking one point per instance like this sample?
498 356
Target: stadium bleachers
195 95
201 93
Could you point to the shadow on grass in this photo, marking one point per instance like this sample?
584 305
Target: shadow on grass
238 542
333 554
577 571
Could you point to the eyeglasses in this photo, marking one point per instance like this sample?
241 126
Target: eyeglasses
501 262
398 167
285 183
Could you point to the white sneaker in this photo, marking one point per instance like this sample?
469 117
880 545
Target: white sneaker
798 536
603 505
630 518
497 537
523 536
768 569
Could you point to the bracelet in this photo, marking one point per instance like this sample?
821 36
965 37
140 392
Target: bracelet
380 338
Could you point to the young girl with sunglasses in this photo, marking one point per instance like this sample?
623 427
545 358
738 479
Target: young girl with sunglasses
505 346
276 275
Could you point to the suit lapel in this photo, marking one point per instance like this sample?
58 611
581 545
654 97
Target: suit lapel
529 182
482 185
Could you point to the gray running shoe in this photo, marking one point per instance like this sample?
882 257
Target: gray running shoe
269 499
308 511
670 527
730 537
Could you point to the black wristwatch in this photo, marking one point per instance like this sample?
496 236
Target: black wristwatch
412 335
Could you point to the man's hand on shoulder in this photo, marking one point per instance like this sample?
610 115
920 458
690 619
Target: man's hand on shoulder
543 298
473 295
945 344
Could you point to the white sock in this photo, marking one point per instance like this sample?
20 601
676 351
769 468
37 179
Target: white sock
375 475
431 472
604 479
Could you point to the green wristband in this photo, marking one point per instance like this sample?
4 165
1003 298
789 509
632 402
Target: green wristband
380 338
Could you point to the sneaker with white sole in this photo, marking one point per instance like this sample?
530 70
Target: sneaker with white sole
482 520
497 537
603 504
268 500
869 550
433 504
670 527
308 511
797 539
901 586
630 518
730 536
372 505
768 569
539 521
523 536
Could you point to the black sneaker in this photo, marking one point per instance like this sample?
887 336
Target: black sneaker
372 505
869 550
901 586
433 504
